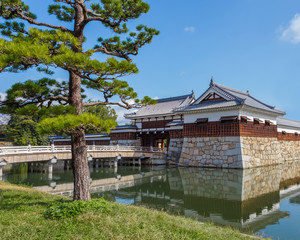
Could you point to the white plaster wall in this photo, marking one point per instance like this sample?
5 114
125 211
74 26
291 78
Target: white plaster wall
212 116
288 129
262 117
215 116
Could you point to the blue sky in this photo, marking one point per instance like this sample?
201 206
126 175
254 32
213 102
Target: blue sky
243 44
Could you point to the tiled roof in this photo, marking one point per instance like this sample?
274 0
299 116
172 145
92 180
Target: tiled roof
164 106
211 105
234 98
126 127
95 135
288 122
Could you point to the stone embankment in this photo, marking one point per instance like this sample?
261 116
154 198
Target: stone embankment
233 152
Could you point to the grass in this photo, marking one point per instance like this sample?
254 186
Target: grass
22 216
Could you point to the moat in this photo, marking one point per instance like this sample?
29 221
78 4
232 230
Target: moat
262 201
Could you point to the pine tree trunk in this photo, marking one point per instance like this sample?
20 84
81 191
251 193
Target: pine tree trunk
81 171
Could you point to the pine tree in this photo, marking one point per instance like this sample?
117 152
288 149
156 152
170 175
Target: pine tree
28 43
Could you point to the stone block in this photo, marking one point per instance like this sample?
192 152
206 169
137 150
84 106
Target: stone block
235 151
200 144
225 147
232 139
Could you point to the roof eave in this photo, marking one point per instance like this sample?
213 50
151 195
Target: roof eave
211 109
273 113
151 116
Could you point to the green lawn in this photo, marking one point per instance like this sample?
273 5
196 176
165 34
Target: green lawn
22 217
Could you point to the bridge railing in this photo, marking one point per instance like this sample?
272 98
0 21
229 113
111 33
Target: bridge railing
118 148
67 148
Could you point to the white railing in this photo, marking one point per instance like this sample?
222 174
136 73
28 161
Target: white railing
15 150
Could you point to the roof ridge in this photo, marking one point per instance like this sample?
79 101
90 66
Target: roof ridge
246 94
228 93
174 98
231 89
273 107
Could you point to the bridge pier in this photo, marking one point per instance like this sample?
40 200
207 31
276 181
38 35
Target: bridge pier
50 167
2 163
50 171
67 165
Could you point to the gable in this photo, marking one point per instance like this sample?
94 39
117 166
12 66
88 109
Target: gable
213 94
212 97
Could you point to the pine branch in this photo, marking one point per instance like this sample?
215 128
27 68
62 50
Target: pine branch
120 53
124 105
32 21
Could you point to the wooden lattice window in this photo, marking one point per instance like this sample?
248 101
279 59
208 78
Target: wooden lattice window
244 119
202 121
283 133
257 121
228 119
268 123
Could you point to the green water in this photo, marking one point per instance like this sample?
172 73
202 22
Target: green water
263 201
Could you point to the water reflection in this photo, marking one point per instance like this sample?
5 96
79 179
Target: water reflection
246 199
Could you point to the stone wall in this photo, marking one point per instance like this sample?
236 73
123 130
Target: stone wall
258 151
158 159
289 150
223 152
237 152
174 150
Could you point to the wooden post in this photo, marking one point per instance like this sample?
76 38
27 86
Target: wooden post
50 171
50 167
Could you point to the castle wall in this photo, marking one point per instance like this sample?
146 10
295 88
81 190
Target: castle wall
222 152
174 150
260 151
238 152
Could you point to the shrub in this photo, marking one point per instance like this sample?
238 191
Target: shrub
66 209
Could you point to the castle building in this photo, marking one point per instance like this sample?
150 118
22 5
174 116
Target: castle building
224 128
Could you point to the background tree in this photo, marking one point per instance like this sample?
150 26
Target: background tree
22 129
47 47
103 112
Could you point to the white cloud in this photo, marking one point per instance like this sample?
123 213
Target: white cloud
292 32
190 29
2 96
120 113
61 80
4 119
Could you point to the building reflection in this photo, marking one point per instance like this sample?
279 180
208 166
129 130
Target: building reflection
245 199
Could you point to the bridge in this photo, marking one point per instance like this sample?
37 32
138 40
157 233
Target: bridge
51 154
